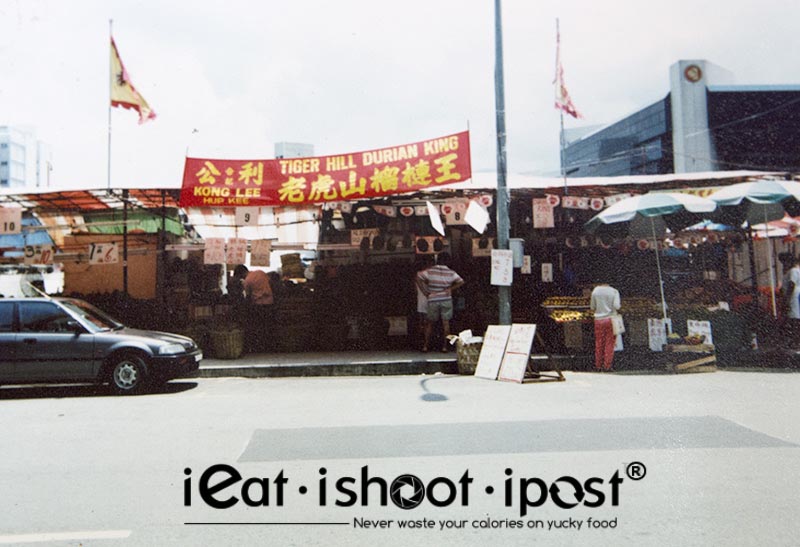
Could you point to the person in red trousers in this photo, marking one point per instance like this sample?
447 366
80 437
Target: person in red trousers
605 302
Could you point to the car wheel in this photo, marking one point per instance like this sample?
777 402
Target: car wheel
128 374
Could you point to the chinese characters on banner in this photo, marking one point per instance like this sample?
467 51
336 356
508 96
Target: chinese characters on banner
299 181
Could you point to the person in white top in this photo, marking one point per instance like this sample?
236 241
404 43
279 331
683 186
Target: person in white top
605 302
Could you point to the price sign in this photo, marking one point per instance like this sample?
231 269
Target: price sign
247 216
38 254
103 253
10 220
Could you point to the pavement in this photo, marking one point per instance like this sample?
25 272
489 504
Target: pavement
410 362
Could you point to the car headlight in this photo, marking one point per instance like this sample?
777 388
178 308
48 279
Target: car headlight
170 349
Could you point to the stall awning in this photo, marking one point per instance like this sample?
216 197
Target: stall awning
91 200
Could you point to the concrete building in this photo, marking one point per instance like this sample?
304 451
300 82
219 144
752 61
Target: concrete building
25 162
705 123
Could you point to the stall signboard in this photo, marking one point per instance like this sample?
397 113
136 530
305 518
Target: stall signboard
260 250
527 265
209 182
657 333
517 352
38 254
103 253
10 220
502 267
492 351
236 251
702 328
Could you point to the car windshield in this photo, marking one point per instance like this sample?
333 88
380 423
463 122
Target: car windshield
97 318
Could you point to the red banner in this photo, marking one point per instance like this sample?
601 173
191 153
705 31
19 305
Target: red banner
299 181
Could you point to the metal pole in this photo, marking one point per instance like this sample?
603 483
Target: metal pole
125 242
110 90
660 280
504 293
769 259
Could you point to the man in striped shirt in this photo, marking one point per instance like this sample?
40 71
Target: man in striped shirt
437 284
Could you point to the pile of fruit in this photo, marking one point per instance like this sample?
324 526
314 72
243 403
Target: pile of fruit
566 302
563 316
691 340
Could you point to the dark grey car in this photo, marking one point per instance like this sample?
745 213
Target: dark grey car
57 340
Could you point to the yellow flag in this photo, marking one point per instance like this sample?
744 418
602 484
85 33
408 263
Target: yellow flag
122 91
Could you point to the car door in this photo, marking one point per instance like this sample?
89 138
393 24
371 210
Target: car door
7 336
47 348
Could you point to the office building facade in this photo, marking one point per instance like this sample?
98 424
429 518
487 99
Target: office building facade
25 162
705 123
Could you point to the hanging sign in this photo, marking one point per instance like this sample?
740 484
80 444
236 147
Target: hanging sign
492 350
572 202
214 252
385 210
38 254
236 251
247 216
526 265
502 267
103 253
547 273
10 220
298 181
543 214
260 250
455 211
477 217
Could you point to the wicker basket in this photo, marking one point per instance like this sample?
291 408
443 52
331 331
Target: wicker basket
467 355
227 344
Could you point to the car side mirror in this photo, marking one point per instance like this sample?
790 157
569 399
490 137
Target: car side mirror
74 326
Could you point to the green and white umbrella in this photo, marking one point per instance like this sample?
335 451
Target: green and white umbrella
658 210
759 202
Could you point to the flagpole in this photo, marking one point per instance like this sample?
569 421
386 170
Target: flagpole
561 112
110 90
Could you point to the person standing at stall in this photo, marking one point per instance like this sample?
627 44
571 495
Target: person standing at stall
792 289
604 303
437 284
259 314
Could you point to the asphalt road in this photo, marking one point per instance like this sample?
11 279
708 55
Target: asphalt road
601 459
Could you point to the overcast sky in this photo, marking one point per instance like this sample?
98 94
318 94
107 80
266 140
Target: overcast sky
351 75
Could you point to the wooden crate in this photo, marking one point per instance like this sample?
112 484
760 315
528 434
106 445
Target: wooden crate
691 358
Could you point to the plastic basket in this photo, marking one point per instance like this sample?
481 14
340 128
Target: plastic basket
467 357
227 344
